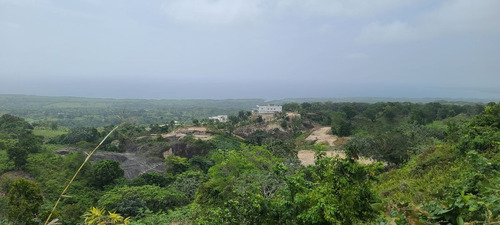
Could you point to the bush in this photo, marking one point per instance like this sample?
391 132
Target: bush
75 135
106 172
156 198
25 199
151 178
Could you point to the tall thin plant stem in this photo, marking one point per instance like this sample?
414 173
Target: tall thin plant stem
78 171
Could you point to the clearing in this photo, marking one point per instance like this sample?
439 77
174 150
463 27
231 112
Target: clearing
197 132
324 135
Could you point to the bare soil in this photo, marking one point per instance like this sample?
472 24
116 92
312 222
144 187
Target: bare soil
323 135
197 132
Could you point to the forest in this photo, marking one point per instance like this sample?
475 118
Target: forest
429 163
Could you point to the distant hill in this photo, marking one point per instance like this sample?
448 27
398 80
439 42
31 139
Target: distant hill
79 111
385 99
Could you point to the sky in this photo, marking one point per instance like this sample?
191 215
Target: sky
271 49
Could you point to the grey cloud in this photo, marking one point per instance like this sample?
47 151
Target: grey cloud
452 17
253 48
230 11
212 12
349 8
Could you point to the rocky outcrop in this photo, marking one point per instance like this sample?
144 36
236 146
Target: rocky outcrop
185 150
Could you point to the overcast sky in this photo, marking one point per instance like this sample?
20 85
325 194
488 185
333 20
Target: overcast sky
178 49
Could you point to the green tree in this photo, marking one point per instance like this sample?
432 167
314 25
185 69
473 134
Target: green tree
390 112
175 164
188 182
483 132
150 178
27 140
240 187
291 107
53 126
349 111
242 115
340 125
342 128
25 199
131 206
88 134
13 124
371 113
257 137
106 172
72 213
18 155
341 194
156 198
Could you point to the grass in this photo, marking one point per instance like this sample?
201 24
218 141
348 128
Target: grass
47 133
423 178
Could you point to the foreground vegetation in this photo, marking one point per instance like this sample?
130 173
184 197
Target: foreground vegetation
437 164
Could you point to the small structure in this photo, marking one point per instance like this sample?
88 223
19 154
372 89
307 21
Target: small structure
220 118
269 109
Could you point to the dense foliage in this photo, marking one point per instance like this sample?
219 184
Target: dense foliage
435 163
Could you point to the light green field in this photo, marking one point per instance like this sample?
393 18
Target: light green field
46 133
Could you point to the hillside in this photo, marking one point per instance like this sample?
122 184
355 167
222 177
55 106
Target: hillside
325 163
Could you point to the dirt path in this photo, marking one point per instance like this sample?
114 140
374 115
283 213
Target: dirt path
323 135
306 157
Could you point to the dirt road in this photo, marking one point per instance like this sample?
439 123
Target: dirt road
323 135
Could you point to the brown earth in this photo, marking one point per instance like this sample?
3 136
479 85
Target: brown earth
245 131
197 132
323 135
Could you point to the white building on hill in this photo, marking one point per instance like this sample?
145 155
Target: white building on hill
220 118
270 108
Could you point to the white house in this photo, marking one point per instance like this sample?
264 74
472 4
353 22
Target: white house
270 108
220 118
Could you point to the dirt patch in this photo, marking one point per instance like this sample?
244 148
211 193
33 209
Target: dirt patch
267 117
306 157
323 135
341 141
247 130
196 132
